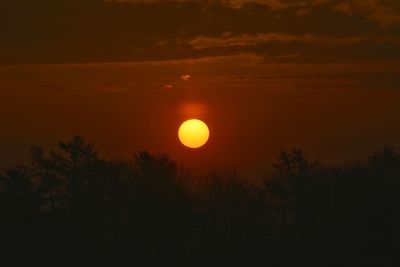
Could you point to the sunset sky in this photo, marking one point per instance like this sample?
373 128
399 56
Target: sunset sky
321 75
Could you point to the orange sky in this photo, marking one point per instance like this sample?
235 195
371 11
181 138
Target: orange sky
265 75
333 111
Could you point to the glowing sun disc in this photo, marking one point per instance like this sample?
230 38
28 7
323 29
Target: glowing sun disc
193 133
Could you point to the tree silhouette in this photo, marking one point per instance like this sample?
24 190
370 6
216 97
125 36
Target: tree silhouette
74 162
161 199
63 173
18 198
70 204
50 183
290 185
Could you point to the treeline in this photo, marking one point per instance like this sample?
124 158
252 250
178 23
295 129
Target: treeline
69 207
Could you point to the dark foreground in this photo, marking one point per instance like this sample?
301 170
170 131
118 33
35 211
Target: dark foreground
71 208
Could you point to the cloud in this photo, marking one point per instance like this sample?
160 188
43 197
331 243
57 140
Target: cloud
385 12
185 77
72 31
168 87
243 40
305 48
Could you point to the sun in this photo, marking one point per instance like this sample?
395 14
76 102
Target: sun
193 133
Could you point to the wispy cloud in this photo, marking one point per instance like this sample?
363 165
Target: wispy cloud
185 77
203 42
